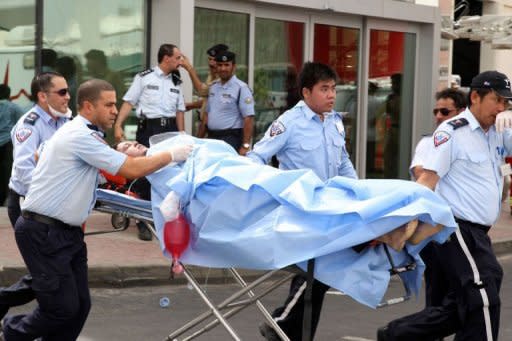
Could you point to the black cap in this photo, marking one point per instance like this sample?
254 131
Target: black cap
494 80
216 49
225 56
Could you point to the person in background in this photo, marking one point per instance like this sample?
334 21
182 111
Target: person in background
159 102
49 233
230 108
200 87
97 67
9 115
308 136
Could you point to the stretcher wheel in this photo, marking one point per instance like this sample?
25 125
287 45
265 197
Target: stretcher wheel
119 221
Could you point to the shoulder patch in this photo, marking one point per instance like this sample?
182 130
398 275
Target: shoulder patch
145 72
248 100
23 134
459 122
97 135
276 128
31 118
441 137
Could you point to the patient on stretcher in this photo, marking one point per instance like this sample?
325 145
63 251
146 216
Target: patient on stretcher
242 214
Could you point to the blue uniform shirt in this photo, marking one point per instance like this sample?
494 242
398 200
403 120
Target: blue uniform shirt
155 95
468 160
10 113
65 179
228 104
32 129
301 140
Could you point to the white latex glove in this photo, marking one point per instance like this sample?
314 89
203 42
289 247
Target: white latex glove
180 153
503 121
170 207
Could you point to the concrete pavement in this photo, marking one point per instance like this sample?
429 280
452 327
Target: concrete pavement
121 259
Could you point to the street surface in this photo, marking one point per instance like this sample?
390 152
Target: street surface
134 314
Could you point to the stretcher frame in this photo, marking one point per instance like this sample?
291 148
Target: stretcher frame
269 280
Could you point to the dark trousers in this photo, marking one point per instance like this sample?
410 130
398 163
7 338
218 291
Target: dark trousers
13 206
468 299
56 256
21 292
290 316
436 284
233 137
149 127
5 170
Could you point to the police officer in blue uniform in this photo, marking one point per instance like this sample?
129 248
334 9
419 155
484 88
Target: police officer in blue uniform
310 135
465 163
230 107
51 94
60 197
158 96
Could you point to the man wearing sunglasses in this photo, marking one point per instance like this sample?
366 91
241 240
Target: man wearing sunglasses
51 96
464 167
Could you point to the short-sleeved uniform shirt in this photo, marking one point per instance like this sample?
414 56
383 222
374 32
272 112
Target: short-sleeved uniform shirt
155 94
301 140
10 113
420 153
467 159
66 176
228 104
32 129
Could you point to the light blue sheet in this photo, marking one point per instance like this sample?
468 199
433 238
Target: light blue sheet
250 216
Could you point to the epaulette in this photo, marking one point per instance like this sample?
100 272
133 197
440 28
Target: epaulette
145 72
95 128
459 122
31 118
176 77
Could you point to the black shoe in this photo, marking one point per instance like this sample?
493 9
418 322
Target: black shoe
144 232
268 332
382 334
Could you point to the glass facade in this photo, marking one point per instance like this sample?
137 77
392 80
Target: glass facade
278 58
110 47
390 104
339 48
17 48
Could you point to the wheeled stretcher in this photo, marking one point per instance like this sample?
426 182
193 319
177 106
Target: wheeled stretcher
125 206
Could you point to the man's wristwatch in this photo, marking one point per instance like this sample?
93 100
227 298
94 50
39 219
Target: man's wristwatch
246 146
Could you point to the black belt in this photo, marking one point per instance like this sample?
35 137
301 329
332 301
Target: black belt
44 219
484 228
224 132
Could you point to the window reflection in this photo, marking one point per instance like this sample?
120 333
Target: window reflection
17 46
339 47
390 103
278 59
111 47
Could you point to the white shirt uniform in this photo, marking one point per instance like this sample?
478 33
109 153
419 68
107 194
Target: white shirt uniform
66 176
468 161
155 94
420 153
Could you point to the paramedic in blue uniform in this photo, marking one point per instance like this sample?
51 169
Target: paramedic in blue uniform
230 107
59 200
157 95
465 163
311 135
51 94
449 103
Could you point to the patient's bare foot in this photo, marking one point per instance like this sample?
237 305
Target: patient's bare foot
424 231
396 239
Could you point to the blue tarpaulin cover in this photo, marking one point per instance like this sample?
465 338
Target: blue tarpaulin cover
251 216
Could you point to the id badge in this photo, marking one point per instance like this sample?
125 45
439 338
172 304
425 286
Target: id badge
505 169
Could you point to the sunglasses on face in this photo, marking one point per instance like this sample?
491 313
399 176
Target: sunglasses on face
61 92
443 111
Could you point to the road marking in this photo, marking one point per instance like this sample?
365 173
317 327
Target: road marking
354 338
